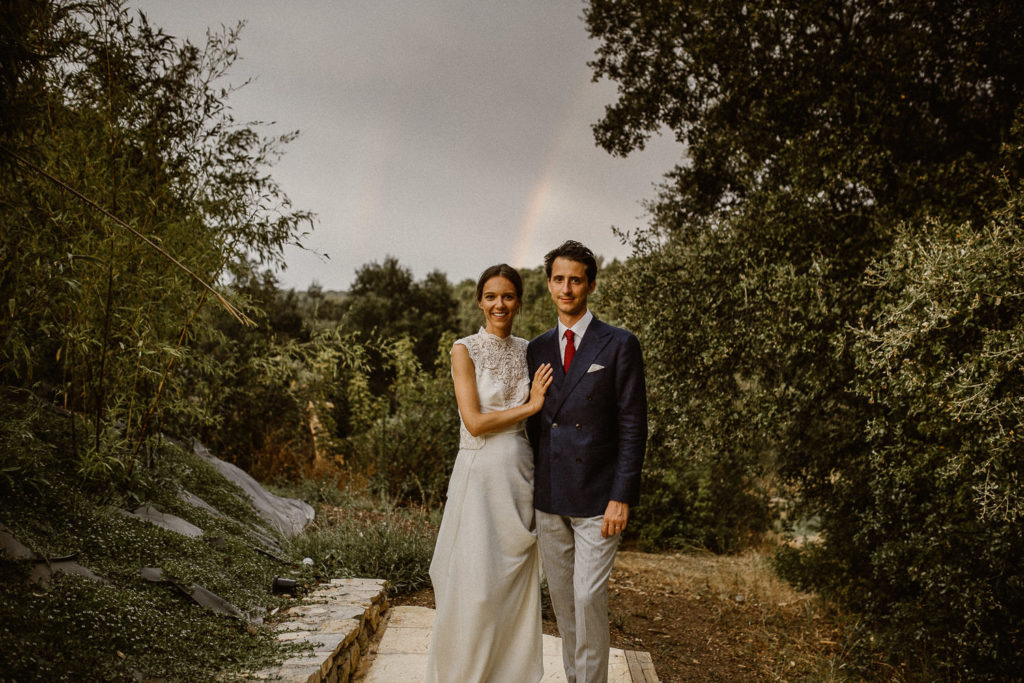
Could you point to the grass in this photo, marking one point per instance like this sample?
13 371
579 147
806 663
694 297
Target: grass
355 535
393 545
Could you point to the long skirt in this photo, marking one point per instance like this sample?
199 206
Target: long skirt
486 570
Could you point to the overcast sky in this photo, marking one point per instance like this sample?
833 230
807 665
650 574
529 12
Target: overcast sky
451 134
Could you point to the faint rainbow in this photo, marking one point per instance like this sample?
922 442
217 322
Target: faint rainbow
535 204
537 199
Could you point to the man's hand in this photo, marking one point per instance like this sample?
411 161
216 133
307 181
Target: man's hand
615 516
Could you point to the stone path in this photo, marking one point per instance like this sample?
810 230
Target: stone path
401 655
337 623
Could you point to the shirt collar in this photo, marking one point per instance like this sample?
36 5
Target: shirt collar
579 329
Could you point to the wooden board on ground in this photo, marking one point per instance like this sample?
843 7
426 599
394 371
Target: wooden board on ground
641 667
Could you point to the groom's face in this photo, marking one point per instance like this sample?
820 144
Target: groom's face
569 288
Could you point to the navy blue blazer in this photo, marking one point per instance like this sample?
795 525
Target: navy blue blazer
589 438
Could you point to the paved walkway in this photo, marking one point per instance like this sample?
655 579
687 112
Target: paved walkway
401 655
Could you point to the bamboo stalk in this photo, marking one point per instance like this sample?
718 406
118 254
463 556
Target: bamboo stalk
160 389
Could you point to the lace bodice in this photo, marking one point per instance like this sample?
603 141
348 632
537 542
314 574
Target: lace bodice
502 380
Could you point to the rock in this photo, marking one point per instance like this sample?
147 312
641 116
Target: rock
13 547
288 515
148 513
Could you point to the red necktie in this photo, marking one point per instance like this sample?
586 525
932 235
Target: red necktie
570 350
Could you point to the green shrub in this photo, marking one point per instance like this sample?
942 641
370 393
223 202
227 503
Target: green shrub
707 470
405 440
925 535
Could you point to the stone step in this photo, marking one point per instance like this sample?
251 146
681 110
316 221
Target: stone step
338 620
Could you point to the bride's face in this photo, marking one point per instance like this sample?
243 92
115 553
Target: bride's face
500 303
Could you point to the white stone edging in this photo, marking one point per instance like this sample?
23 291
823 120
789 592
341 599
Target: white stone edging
338 620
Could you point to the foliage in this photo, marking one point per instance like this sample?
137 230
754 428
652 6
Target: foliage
406 439
926 536
275 417
321 307
309 396
94 314
384 300
896 107
357 534
329 492
708 468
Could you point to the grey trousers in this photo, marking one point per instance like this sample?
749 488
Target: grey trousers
577 563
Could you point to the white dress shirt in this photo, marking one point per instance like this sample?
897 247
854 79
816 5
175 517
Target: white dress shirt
579 329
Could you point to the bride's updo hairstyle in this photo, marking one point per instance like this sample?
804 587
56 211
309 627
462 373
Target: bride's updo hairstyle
501 270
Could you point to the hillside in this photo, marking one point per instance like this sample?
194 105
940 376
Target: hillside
75 603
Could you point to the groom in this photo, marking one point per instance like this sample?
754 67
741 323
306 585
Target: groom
588 443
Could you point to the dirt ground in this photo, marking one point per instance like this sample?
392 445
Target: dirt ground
709 618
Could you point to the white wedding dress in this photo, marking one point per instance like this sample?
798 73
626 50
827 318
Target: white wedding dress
486 567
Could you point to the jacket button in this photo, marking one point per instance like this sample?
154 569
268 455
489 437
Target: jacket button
579 427
589 397
579 460
554 425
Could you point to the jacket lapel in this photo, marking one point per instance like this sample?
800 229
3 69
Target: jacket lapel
594 340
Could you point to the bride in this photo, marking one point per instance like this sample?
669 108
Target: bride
486 568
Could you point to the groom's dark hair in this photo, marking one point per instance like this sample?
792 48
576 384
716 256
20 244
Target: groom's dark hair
574 251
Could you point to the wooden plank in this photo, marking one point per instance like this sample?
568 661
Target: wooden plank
636 672
641 667
647 664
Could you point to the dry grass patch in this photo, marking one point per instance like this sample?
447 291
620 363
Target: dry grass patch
705 617
741 578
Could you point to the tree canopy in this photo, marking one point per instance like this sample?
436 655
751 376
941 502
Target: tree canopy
899 107
386 299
